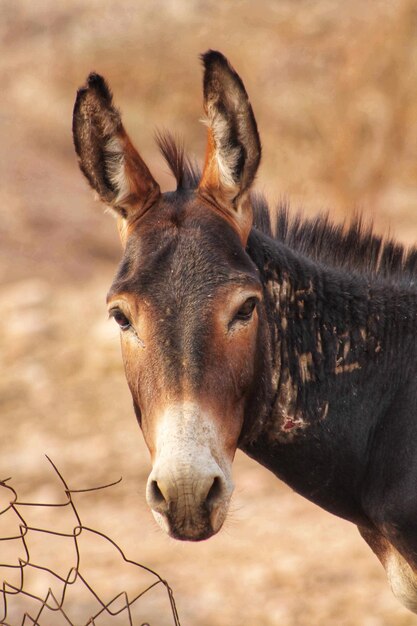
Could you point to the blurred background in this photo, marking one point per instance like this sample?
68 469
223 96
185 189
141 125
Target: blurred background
334 89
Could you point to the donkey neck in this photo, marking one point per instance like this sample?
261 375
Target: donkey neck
334 335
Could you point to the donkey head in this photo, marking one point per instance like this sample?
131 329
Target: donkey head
187 297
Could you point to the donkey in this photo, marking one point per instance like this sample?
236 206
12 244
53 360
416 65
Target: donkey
298 347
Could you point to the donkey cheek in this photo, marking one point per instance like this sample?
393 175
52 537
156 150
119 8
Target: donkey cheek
133 363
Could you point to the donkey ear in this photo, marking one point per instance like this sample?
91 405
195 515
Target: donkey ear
233 148
106 155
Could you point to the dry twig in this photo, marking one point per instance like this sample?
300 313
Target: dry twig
51 602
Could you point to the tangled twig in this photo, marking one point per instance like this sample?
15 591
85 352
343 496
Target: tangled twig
57 602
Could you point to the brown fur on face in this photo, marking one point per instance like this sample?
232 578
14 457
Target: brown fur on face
183 345
187 295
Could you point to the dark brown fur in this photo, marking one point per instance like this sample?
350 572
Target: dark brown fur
298 345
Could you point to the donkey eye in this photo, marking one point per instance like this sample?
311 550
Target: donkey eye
120 318
246 310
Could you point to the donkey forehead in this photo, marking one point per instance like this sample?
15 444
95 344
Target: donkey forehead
182 247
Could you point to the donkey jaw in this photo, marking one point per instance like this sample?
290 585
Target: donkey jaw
190 486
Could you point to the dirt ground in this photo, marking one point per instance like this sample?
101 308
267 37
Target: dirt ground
334 89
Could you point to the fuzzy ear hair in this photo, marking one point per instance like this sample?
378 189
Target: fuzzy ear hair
106 155
233 148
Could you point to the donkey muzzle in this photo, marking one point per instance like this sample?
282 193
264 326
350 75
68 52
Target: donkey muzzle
188 489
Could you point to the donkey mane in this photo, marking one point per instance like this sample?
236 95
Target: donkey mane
185 171
352 246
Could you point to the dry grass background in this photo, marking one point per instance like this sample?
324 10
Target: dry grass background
334 88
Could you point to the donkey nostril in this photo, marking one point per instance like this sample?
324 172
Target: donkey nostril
214 492
155 493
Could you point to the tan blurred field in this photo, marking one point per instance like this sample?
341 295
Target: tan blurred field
334 88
